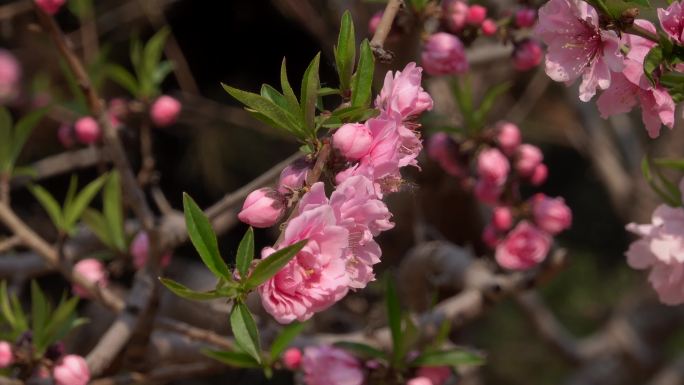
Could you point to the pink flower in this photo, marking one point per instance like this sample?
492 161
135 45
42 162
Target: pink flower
490 236
672 20
524 247
444 54
65 134
50 6
525 17
419 381
509 137
262 208
493 166
87 130
326 365
71 370
293 177
6 356
455 13
528 158
140 248
577 46
401 93
502 218
437 375
527 55
444 150
631 87
551 214
94 271
292 358
165 111
353 140
489 27
476 15
487 191
541 172
10 75
661 248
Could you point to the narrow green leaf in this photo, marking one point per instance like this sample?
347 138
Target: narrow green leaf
39 307
269 266
286 336
73 212
276 97
22 321
5 136
393 316
676 164
5 305
62 320
288 92
362 350
652 62
245 331
184 292
22 130
204 238
363 78
49 204
492 95
245 253
454 358
123 78
71 191
235 359
345 51
309 93
151 57
113 211
160 73
97 223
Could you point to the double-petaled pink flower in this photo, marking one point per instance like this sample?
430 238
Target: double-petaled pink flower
524 247
402 93
550 214
672 21
444 54
327 365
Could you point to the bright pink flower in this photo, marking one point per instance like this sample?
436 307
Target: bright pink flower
455 13
437 375
140 248
509 137
262 208
525 17
94 271
10 75
65 134
493 166
444 54
502 218
419 381
326 365
293 177
551 214
489 27
292 358
524 247
476 15
401 93
577 46
661 248
487 191
490 236
165 111
527 55
672 21
353 140
6 356
444 150
71 370
87 130
528 158
50 6
541 172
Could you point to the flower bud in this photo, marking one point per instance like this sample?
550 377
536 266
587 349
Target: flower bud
165 111
502 218
509 137
528 158
539 175
527 55
262 208
293 177
353 140
488 27
493 166
140 249
525 17
292 358
50 6
419 381
524 247
455 13
71 370
487 192
94 271
87 130
551 214
6 356
444 54
10 76
476 15
65 134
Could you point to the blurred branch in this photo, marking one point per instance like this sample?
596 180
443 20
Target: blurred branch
62 163
383 30
164 374
672 374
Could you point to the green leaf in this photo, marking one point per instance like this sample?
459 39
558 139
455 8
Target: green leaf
652 62
123 78
73 211
345 51
464 99
488 100
394 318
235 359
418 5
49 204
184 292
5 136
161 72
288 92
62 320
39 308
71 191
286 336
676 164
22 130
363 78
276 97
362 350
664 195
113 211
204 238
97 223
453 357
150 60
5 305
309 93
269 266
245 331
245 253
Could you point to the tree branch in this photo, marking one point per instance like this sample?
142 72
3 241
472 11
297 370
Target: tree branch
383 30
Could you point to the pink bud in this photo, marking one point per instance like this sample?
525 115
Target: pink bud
476 15
419 381
71 370
493 166
165 111
527 55
374 22
455 13
539 175
87 130
444 54
509 137
118 110
6 356
292 358
551 214
443 150
525 17
487 192
140 248
94 271
293 176
353 140
502 218
524 247
489 27
50 6
65 134
528 158
262 208
437 375
10 76
490 236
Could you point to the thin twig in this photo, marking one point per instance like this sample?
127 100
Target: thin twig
164 374
383 30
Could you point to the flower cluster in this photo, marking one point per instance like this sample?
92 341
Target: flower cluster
340 229
67 369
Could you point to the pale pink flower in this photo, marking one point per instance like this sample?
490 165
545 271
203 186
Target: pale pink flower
550 214
476 14
327 365
444 150
437 375
489 27
292 358
509 137
140 249
353 140
50 6
262 208
525 17
523 248
6 356
577 46
71 370
444 54
527 159
293 177
539 175
527 55
419 381
502 218
672 20
164 111
94 271
455 13
10 75
87 130
401 93
493 166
